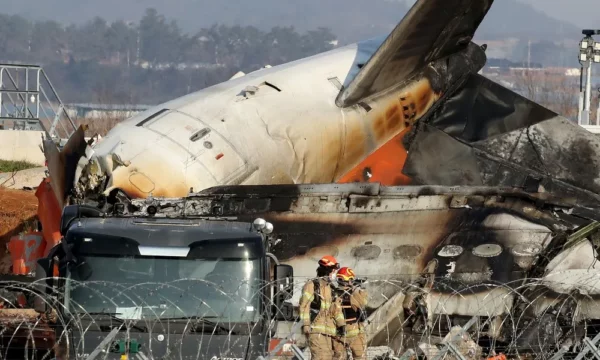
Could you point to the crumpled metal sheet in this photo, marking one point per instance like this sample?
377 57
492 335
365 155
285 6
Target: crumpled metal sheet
487 135
456 165
62 164
482 109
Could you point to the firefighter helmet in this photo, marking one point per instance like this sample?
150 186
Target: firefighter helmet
345 276
329 261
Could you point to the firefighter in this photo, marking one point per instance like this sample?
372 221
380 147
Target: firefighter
320 320
352 300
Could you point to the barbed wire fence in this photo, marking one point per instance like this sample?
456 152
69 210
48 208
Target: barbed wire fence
430 318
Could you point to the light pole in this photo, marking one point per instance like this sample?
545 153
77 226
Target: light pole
598 111
589 52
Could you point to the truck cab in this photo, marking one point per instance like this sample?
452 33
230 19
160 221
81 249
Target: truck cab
154 287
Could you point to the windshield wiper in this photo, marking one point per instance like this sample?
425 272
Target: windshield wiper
113 316
203 320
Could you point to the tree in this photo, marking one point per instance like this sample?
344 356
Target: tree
283 45
317 41
160 41
48 41
97 61
121 40
90 40
15 37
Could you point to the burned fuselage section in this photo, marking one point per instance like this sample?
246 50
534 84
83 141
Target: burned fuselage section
446 254
486 135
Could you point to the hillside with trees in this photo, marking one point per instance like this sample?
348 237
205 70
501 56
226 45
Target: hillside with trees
350 20
150 61
173 49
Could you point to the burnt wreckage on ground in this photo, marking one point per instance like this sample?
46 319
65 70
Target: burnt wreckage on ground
522 262
498 218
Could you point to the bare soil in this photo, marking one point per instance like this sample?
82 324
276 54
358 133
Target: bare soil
18 209
15 165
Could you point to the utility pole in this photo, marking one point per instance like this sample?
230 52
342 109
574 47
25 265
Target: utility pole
529 55
589 52
598 111
588 93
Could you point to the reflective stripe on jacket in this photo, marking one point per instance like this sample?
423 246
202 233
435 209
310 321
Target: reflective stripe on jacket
328 317
351 311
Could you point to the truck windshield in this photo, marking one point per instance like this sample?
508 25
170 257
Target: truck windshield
143 287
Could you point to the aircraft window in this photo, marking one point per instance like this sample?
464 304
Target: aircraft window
141 123
272 86
200 134
366 252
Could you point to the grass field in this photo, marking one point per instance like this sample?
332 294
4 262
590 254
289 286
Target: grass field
12 166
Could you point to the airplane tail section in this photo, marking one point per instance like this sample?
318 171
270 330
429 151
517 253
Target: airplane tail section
430 31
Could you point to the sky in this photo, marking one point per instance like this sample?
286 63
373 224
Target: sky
582 13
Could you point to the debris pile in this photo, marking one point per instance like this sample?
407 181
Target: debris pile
457 341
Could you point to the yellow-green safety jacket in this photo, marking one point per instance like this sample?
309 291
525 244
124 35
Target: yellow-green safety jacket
317 310
353 304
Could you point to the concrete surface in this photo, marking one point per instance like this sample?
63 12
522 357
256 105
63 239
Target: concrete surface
30 178
21 145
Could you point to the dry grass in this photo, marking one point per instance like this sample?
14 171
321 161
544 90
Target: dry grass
99 126
15 165
556 92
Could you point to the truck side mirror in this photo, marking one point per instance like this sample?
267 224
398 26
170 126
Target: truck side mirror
43 271
284 290
284 280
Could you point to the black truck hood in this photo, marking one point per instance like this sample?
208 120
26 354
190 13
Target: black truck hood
173 345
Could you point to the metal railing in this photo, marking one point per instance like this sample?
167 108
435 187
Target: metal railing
29 101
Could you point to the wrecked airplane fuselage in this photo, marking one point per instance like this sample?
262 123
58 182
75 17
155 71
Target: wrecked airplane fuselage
309 121
229 135
408 109
446 254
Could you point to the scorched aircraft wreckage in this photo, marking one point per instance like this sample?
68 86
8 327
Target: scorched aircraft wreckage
395 156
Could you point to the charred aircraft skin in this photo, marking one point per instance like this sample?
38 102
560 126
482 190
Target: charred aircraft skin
488 247
486 135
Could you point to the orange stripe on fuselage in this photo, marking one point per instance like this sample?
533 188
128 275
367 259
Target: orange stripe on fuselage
384 165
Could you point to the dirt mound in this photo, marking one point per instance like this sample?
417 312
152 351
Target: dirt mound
18 209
